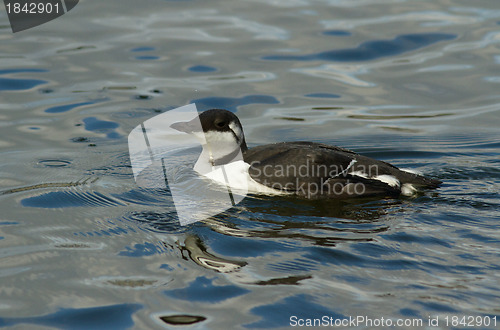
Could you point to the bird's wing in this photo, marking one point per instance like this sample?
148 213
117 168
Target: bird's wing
373 168
306 168
291 166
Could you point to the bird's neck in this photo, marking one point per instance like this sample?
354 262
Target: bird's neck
209 158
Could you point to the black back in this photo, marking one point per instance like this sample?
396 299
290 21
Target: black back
291 166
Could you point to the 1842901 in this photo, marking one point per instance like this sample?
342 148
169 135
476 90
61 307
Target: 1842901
33 8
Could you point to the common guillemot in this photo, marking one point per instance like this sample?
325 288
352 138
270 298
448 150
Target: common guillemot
305 169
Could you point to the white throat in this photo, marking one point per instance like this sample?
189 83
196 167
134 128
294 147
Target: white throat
221 160
219 148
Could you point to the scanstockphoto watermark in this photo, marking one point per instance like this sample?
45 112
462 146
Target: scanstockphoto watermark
26 14
312 179
311 169
467 321
356 321
320 187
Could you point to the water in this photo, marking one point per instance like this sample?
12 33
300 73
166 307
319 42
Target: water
412 83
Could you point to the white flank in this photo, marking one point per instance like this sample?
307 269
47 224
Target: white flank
389 179
408 189
237 178
360 174
412 171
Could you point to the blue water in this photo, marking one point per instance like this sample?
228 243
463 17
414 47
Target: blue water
82 246
373 49
110 317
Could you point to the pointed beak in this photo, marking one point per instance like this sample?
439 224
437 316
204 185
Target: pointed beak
181 127
187 126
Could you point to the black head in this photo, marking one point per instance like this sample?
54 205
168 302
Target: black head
215 120
219 120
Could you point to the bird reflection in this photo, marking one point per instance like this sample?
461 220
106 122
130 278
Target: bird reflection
194 249
323 224
285 221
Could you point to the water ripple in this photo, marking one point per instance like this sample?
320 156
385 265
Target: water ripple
412 83
230 103
371 50
63 199
427 18
112 317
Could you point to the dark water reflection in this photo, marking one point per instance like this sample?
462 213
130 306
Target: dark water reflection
371 50
111 317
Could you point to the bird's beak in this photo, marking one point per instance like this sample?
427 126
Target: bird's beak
181 127
188 126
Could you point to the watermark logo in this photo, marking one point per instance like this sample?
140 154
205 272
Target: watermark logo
25 14
162 158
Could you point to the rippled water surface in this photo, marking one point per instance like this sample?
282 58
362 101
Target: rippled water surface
414 83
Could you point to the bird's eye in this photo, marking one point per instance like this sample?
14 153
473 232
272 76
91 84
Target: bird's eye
220 124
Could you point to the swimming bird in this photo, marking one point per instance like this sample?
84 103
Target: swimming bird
306 169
